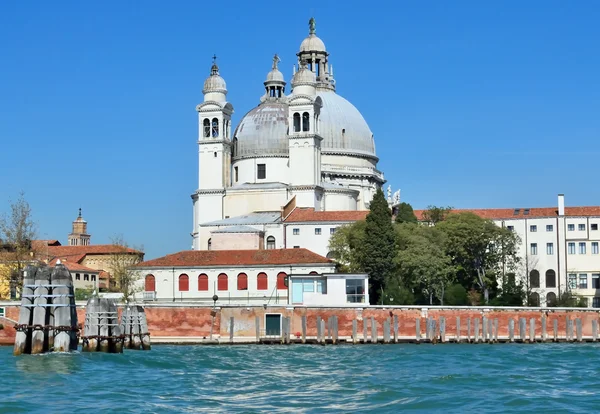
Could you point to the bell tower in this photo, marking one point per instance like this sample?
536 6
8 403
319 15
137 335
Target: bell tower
79 235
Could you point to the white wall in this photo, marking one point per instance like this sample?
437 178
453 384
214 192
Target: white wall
277 169
335 293
167 286
308 237
240 202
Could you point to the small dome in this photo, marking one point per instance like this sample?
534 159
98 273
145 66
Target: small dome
303 76
275 75
214 83
312 44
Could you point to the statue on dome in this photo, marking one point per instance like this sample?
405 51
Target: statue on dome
312 25
276 60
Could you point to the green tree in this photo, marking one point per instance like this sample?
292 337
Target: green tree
17 230
379 247
422 261
480 250
456 295
395 293
346 246
512 293
435 214
405 214
568 300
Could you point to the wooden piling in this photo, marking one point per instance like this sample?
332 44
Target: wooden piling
579 330
365 330
373 330
531 330
231 327
457 337
354 331
257 328
114 329
335 330
395 329
544 333
569 329
476 330
386 331
442 329
511 330
468 329
91 329
319 332
23 336
146 346
322 331
555 329
594 330
136 330
490 330
522 329
485 328
39 343
496 330
62 314
418 329
303 329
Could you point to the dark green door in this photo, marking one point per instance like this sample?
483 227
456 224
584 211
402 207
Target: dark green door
273 325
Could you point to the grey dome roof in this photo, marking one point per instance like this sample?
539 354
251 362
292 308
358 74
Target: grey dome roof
263 131
275 75
304 75
214 83
312 44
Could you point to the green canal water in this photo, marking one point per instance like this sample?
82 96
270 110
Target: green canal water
307 379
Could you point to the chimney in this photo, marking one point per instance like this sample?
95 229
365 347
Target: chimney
561 204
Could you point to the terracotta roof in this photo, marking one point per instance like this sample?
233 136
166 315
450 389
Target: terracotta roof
42 244
309 214
195 258
509 213
74 266
70 251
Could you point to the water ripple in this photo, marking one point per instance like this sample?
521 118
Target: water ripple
307 379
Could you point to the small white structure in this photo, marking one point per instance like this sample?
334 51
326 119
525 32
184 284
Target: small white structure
330 289
246 277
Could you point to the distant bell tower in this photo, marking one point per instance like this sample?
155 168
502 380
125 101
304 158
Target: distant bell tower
79 235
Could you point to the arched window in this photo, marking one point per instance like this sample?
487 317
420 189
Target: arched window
222 282
202 282
209 245
215 127
150 283
206 128
242 281
534 299
550 278
551 299
534 279
184 282
270 242
296 122
281 280
235 147
262 281
305 121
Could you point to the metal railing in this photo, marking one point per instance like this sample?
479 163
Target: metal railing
149 296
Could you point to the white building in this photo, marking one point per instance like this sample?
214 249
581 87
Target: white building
559 248
310 147
250 277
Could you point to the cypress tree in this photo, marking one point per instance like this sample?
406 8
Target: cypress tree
379 245
405 214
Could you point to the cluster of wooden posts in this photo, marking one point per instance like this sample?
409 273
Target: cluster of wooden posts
104 333
47 318
478 330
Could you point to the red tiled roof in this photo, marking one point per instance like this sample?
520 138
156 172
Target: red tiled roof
70 251
309 214
73 266
42 244
508 213
237 257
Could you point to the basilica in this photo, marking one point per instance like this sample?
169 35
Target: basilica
307 149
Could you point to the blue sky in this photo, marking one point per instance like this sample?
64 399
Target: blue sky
473 104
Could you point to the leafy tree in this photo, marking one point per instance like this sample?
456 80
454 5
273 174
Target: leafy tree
456 295
421 259
568 300
512 293
17 230
122 270
395 293
346 246
378 252
405 214
435 214
479 249
83 293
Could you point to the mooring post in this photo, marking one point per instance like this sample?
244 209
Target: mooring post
373 330
231 322
555 329
544 333
531 330
303 329
485 329
146 346
38 337
442 329
569 334
329 321
335 330
395 329
457 338
579 332
354 330
496 330
469 329
62 311
418 329
23 336
322 331
283 329
365 329
257 327
522 328
490 330
511 330
476 330
594 330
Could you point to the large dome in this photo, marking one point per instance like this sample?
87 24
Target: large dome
263 131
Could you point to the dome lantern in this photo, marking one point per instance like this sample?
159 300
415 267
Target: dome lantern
313 51
275 83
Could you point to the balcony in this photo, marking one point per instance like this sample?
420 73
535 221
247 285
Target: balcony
149 296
